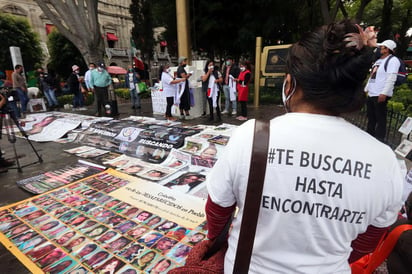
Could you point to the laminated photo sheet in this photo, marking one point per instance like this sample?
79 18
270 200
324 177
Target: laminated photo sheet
54 179
137 167
96 152
107 222
177 159
404 148
79 149
189 180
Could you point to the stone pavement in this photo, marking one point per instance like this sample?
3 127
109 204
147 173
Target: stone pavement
54 157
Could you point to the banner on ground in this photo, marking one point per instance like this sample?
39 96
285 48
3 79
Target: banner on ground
107 223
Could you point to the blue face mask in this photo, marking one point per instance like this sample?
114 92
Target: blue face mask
228 63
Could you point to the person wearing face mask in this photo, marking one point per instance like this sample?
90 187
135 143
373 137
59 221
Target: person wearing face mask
87 75
100 80
184 105
169 89
212 79
322 172
132 80
75 88
230 72
243 89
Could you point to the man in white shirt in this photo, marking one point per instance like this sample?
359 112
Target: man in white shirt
380 89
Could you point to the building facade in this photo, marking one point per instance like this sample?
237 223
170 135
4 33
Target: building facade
114 19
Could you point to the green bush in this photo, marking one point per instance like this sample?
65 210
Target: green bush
68 99
122 93
401 100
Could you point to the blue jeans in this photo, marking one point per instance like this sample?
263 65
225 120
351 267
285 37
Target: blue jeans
135 98
51 97
78 100
24 99
226 91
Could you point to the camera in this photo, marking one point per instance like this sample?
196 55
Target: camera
10 95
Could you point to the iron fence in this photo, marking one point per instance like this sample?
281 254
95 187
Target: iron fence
394 121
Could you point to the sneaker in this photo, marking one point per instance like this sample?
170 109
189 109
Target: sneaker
234 112
6 163
243 118
225 111
83 108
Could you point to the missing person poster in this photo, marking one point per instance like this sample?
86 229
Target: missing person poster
106 223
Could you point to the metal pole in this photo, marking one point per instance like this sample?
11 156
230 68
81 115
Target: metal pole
183 30
257 70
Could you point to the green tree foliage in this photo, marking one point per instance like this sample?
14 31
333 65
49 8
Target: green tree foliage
142 31
63 55
392 18
17 32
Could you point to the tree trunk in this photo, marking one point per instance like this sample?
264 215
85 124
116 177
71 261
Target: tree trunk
361 10
386 26
77 21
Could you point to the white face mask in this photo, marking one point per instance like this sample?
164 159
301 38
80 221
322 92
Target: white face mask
242 68
210 67
285 98
168 70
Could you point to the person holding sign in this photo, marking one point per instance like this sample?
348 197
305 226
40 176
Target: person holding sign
319 209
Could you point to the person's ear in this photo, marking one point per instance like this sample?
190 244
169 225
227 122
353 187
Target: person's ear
288 84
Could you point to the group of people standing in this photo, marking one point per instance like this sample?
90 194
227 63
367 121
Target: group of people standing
233 81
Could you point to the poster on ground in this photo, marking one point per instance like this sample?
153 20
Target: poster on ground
53 179
106 223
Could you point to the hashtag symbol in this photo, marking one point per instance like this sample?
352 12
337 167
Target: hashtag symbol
271 155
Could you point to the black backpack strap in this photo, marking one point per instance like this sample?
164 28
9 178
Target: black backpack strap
386 63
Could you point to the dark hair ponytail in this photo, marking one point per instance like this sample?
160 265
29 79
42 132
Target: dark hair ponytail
330 73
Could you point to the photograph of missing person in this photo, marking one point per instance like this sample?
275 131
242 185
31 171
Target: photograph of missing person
161 266
95 258
60 266
192 147
186 182
137 232
164 244
179 253
145 260
131 252
117 244
150 239
40 251
110 266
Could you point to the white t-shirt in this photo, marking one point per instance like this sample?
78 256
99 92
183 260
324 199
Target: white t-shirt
131 81
169 89
376 82
326 181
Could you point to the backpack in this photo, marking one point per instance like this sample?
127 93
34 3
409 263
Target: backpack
402 73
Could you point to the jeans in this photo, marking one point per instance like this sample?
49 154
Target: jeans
226 90
24 99
376 113
135 98
51 97
78 100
